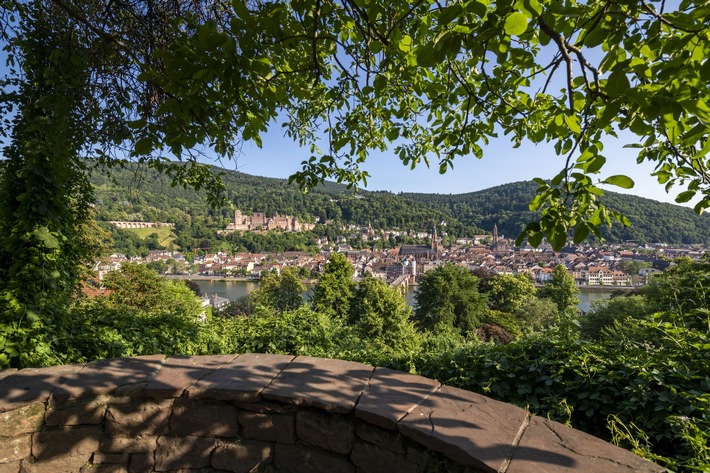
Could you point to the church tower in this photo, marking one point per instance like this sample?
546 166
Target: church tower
495 234
435 242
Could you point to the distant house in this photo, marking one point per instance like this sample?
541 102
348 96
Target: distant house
215 301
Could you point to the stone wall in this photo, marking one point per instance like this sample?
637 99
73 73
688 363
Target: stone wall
274 413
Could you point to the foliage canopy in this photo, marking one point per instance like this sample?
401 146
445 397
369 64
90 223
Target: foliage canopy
440 80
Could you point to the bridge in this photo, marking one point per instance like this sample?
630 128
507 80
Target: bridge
401 284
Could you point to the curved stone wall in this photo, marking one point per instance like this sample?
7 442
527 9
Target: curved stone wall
274 413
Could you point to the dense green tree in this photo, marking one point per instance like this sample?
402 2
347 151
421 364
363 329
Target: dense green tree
448 295
508 293
682 293
138 287
44 194
605 315
334 292
535 314
159 266
562 290
280 292
242 306
70 89
381 317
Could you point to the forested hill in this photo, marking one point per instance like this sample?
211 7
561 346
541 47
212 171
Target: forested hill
144 195
507 206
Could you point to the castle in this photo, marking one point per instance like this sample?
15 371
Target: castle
258 221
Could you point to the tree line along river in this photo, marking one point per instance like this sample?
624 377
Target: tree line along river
235 289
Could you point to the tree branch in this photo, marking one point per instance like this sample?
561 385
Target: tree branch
562 46
99 32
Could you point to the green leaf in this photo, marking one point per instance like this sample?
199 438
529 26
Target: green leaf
685 196
144 146
559 238
406 44
535 239
515 24
48 240
477 8
581 234
594 165
617 83
240 9
622 181
573 123
425 56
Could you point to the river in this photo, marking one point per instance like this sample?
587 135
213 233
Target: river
235 289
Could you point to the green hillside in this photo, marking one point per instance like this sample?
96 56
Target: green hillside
139 194
507 206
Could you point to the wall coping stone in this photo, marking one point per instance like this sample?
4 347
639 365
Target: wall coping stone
474 431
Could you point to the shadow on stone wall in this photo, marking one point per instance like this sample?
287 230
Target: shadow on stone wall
274 413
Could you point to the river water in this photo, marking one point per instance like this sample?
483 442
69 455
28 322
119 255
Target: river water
235 289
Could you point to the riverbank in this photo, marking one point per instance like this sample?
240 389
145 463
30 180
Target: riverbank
201 277
608 288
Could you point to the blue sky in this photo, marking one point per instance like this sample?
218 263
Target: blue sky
501 164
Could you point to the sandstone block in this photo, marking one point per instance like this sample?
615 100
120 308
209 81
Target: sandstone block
131 416
110 458
177 452
217 420
141 462
268 427
105 376
12 467
22 421
384 438
390 395
32 385
244 457
14 448
301 458
180 372
94 468
373 459
416 455
552 447
63 464
243 379
80 442
267 407
79 412
471 429
331 385
329 431
134 444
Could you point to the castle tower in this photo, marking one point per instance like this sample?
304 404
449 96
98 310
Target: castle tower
237 217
